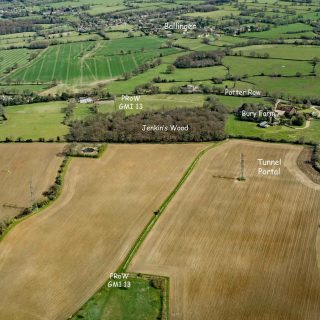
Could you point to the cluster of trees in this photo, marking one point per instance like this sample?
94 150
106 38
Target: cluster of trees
146 88
297 120
200 59
16 26
204 124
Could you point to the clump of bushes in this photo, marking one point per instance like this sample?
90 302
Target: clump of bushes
316 158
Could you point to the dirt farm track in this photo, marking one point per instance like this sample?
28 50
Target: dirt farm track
239 250
51 263
20 165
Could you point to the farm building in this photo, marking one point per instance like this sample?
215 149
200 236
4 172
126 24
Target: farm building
85 100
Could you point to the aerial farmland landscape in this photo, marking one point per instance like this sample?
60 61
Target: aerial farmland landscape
160 159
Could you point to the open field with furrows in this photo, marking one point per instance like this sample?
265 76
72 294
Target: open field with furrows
20 165
239 250
9 58
104 206
90 61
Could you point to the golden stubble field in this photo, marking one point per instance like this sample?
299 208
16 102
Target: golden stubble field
51 263
239 250
22 164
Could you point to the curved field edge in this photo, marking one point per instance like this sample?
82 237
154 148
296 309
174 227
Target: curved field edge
35 208
90 304
39 206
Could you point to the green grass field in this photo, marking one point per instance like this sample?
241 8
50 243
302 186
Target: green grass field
249 129
162 101
296 86
294 30
214 14
126 87
254 66
22 88
34 121
187 74
141 301
283 51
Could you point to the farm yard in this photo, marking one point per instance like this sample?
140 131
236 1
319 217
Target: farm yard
123 190
25 166
230 248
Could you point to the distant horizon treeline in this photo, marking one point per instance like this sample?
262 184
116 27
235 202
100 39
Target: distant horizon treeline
204 124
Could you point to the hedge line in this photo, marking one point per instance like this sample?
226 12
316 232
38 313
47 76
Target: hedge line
51 195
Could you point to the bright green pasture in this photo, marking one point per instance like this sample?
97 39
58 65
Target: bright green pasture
283 51
34 121
124 45
294 30
140 301
167 86
295 86
161 101
128 86
21 88
195 44
218 14
188 74
232 102
250 129
254 66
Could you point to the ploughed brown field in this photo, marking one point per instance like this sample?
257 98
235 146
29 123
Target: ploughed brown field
51 263
239 250
21 164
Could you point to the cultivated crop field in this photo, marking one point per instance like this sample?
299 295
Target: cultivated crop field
8 58
20 165
84 62
53 262
239 250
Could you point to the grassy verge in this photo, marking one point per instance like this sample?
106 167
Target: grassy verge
144 299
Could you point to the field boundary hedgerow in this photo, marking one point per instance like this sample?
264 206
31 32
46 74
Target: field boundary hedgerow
39 206
52 194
